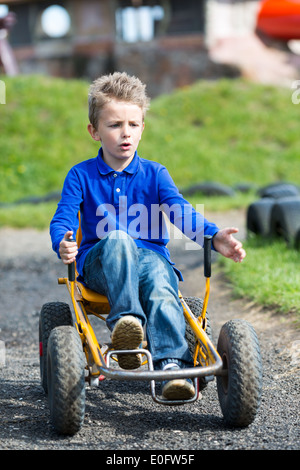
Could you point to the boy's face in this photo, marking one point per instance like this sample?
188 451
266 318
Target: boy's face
119 129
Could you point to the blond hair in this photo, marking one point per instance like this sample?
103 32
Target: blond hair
119 86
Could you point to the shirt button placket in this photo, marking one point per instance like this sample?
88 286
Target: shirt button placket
117 189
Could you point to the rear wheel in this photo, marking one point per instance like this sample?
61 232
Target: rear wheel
239 389
66 380
53 314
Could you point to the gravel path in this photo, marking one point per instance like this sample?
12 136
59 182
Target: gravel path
123 416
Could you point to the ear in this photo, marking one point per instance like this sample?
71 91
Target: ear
143 127
93 132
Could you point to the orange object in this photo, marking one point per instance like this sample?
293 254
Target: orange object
280 19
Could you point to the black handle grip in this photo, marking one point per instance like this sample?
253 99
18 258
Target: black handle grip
71 272
207 255
71 267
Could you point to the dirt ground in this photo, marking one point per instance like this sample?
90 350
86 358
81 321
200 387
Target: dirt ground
122 416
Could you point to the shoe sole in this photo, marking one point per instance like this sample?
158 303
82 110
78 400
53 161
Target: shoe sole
178 389
128 334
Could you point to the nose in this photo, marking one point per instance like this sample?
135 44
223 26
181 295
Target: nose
126 130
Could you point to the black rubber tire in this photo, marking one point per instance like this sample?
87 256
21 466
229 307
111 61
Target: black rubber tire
279 190
66 380
53 314
240 390
196 306
209 189
259 216
285 219
297 240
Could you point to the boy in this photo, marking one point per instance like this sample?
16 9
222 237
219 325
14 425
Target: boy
123 252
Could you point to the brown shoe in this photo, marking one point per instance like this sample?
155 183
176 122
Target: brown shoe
178 389
128 334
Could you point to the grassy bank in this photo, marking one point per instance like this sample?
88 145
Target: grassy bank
43 133
228 131
269 275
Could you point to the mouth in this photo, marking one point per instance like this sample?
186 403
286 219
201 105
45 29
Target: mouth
125 146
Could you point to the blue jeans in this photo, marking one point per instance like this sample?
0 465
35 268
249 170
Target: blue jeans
140 282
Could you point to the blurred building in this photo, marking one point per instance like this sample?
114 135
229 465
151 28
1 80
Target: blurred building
166 43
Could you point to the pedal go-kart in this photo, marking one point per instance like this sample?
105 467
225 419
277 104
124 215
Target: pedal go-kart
71 355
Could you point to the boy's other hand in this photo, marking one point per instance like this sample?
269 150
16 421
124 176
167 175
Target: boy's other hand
67 249
226 244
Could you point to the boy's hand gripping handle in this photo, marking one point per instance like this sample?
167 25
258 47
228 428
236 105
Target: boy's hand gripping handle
207 255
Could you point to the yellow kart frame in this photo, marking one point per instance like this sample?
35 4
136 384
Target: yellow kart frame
70 356
207 361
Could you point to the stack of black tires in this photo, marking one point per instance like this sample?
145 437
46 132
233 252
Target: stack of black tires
277 213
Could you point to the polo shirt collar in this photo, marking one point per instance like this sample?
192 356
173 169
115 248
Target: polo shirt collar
104 169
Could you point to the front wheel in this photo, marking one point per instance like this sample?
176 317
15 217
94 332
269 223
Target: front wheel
66 380
239 388
196 306
53 314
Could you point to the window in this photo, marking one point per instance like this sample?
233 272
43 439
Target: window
138 24
3 10
38 21
186 16
21 33
150 18
55 21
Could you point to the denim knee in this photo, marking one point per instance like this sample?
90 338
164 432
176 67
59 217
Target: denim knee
106 247
118 235
119 240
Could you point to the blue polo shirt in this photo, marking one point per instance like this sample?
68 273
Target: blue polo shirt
135 200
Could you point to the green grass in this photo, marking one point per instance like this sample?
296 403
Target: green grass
269 275
35 216
43 132
227 131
